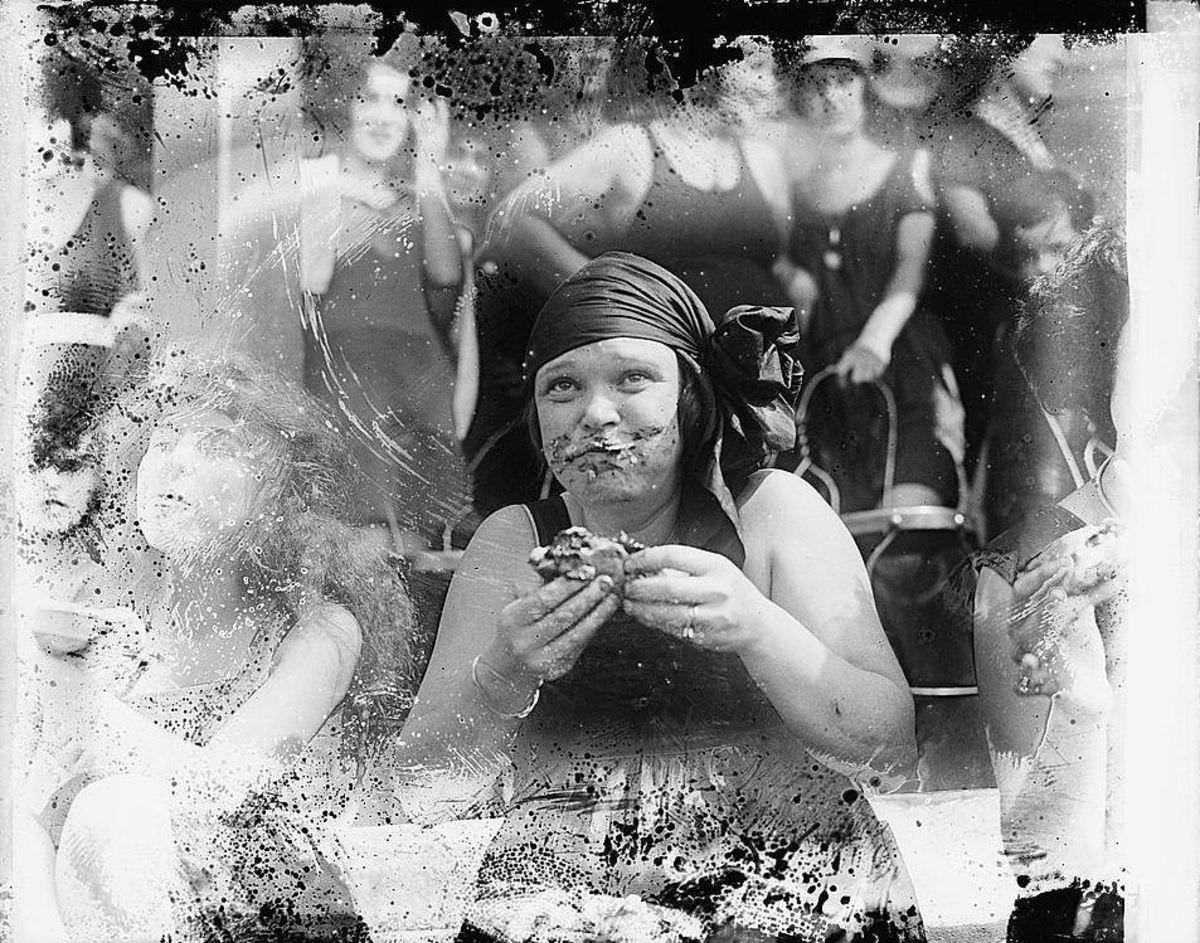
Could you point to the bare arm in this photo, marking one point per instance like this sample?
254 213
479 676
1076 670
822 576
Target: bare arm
449 722
1049 751
311 674
971 219
914 236
441 259
540 225
802 619
137 211
466 343
822 656
461 727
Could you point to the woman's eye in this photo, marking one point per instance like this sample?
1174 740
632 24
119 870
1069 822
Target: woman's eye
561 385
635 378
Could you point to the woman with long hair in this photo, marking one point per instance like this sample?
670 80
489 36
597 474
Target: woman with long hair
163 795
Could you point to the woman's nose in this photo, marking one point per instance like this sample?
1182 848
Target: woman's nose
601 410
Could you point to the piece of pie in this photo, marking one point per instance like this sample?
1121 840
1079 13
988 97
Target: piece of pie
579 554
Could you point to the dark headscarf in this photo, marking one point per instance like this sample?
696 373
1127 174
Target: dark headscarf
749 372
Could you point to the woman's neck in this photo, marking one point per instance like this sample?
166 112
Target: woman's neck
210 596
364 172
651 524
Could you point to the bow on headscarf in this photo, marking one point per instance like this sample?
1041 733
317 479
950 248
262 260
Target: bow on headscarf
748 364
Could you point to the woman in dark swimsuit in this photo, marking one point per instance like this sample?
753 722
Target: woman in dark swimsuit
684 737
862 221
367 276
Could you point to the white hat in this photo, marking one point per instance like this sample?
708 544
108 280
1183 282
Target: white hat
69 327
856 49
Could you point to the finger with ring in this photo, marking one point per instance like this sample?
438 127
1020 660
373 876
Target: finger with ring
689 630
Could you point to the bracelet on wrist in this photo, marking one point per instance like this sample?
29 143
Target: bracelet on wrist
487 701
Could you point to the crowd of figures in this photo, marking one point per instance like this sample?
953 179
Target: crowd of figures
818 354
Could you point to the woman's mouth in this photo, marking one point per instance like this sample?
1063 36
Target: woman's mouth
628 451
599 448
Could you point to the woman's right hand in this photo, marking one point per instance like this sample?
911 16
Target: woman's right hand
541 635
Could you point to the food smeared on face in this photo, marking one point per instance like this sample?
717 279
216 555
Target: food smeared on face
608 413
598 453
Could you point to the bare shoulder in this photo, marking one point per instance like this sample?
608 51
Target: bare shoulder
499 550
782 512
509 530
325 633
774 497
617 149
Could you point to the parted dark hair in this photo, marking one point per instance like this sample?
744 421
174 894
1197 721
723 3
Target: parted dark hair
300 548
1066 334
696 426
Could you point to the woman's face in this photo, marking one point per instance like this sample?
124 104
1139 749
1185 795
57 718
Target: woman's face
380 115
609 417
834 104
57 496
197 483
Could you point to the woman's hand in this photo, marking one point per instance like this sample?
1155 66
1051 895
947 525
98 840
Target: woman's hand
1080 571
431 126
859 364
694 594
541 635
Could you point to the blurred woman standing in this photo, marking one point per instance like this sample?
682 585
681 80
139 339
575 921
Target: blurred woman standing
370 267
855 266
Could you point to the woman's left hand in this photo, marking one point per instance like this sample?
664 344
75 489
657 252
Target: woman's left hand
693 594
431 124
859 364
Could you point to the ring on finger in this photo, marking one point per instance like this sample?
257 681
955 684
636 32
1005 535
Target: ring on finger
689 630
